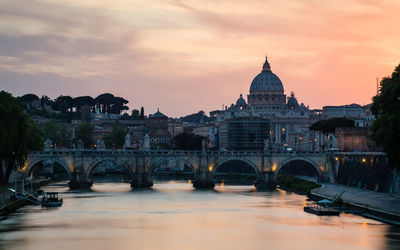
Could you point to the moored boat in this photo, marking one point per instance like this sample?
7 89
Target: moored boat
50 199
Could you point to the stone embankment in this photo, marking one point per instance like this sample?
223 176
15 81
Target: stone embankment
379 206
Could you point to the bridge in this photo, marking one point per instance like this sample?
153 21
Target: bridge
80 164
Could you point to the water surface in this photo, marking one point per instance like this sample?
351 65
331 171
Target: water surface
173 215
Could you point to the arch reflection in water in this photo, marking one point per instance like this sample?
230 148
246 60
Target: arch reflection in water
236 172
299 168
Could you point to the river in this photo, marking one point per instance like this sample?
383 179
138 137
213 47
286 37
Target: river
172 215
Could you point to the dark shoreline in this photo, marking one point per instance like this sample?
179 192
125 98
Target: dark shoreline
15 204
351 207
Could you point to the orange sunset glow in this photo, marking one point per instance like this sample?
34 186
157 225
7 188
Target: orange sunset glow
186 56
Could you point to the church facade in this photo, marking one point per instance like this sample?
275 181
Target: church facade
289 120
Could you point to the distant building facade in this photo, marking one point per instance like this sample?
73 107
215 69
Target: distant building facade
244 133
289 120
158 129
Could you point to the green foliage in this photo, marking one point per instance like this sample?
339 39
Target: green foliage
296 184
386 109
59 135
63 104
35 136
116 139
85 133
196 118
186 141
329 125
29 97
70 107
18 135
135 114
80 101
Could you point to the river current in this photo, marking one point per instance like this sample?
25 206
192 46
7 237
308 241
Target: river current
172 215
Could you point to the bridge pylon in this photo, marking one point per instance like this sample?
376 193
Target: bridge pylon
266 180
141 180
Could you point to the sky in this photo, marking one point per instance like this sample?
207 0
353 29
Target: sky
186 56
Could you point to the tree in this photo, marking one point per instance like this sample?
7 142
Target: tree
135 114
45 103
85 133
59 135
118 105
117 137
35 136
329 125
28 100
196 118
141 113
18 135
104 102
386 109
80 101
63 103
188 141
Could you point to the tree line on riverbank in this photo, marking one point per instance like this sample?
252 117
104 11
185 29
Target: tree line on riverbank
67 108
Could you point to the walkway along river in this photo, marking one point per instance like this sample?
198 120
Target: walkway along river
172 215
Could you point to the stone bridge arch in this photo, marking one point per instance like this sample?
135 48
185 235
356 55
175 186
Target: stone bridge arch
291 159
115 161
35 164
158 161
246 161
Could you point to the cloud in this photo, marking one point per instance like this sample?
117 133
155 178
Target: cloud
166 53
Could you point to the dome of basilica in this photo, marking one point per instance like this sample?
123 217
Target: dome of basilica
241 102
266 81
292 102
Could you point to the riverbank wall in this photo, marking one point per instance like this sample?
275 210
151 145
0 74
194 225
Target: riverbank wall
11 204
370 204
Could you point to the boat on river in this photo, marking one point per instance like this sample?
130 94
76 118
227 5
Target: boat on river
318 210
50 199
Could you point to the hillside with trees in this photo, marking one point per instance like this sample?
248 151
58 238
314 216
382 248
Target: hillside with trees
68 108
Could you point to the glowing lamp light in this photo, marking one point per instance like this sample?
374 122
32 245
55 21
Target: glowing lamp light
210 168
336 158
364 160
283 129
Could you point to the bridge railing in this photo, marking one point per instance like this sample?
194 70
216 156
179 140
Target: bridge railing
110 152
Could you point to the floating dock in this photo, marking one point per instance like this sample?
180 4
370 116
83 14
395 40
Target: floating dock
322 211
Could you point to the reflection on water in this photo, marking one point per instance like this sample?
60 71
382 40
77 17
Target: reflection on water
173 215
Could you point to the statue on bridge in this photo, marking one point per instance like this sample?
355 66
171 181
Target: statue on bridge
127 141
47 144
100 144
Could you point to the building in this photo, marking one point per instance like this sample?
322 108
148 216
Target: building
351 111
289 120
158 129
244 133
352 139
